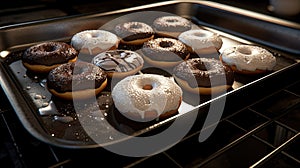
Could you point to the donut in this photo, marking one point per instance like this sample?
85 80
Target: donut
164 52
119 63
43 57
80 80
203 76
248 59
171 26
200 41
134 33
146 97
93 42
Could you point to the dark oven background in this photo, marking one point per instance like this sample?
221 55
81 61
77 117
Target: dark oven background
266 124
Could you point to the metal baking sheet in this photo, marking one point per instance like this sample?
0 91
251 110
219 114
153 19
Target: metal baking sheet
60 123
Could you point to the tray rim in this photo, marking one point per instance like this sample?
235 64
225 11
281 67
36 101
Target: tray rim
208 3
14 97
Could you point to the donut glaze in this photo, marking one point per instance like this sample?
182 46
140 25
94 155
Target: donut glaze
134 32
248 59
119 63
93 42
81 77
203 73
45 56
140 94
171 26
201 41
165 50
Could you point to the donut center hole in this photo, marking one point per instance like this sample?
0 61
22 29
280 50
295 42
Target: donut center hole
50 48
201 67
135 26
148 87
199 34
95 35
166 44
79 70
245 51
172 20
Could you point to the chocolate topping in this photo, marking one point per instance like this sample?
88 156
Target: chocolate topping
49 53
133 30
204 72
75 76
165 49
118 60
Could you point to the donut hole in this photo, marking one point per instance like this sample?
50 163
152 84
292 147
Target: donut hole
198 34
80 70
77 71
166 44
50 48
135 26
245 51
201 67
171 20
94 35
147 87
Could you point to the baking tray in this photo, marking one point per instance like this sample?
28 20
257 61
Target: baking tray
60 123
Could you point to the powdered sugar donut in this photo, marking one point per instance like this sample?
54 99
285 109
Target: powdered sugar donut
201 41
248 59
146 97
92 42
171 26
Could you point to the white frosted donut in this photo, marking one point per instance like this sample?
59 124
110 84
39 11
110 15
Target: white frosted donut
171 26
248 59
93 42
137 95
201 41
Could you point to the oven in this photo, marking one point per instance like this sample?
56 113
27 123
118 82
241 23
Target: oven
259 118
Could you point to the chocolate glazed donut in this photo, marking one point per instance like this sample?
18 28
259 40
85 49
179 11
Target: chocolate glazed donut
203 75
43 57
164 52
78 80
134 33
